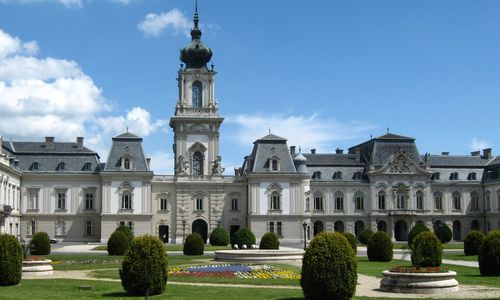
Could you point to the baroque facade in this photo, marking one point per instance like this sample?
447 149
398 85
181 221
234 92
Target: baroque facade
64 189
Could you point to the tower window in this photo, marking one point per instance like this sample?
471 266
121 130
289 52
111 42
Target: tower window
275 165
126 163
197 94
197 163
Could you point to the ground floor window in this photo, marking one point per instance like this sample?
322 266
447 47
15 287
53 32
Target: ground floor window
88 227
130 224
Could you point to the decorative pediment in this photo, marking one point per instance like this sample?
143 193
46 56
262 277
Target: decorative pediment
400 163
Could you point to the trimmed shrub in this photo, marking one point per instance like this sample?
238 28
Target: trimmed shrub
443 232
269 241
145 267
352 241
242 237
418 228
128 232
329 268
472 242
219 237
489 254
379 247
40 244
118 243
193 245
427 250
11 260
365 235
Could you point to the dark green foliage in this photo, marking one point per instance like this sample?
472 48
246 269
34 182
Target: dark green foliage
145 267
489 254
219 237
365 235
269 241
418 228
472 242
193 245
427 250
443 232
242 237
329 269
118 243
11 260
379 247
352 241
128 232
40 244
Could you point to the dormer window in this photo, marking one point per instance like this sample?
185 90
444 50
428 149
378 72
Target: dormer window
274 164
316 175
357 176
34 166
471 176
87 166
61 166
337 175
126 163
435 176
197 94
454 176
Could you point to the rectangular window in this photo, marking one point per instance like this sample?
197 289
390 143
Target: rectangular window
420 201
275 202
339 203
381 201
488 202
61 201
401 201
234 204
33 227
318 203
33 200
163 204
199 203
271 227
359 203
498 202
279 229
89 201
456 202
438 202
126 200
88 227
474 205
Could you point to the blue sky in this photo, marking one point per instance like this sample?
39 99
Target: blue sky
324 74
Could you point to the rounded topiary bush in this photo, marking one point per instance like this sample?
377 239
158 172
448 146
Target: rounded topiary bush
269 241
219 237
418 228
329 268
489 254
365 235
443 232
128 232
11 260
40 244
118 243
427 250
145 267
379 247
472 242
193 245
352 241
242 237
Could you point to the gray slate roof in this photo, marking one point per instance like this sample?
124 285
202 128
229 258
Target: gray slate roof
126 144
456 161
267 147
332 160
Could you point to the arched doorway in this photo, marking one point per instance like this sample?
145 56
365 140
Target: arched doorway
457 234
358 227
200 227
474 225
382 226
339 226
318 227
401 231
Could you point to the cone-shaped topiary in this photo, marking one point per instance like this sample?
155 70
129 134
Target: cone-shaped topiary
329 269
418 228
472 242
379 247
489 254
443 232
219 237
118 243
427 250
193 245
352 241
128 232
242 237
365 235
11 260
269 241
145 267
40 244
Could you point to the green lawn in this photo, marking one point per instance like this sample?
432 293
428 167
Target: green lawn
84 262
459 256
454 245
178 247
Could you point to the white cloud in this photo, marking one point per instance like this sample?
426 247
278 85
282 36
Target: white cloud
154 24
162 163
305 131
137 120
477 144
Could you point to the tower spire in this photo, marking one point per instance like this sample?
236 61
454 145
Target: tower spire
196 18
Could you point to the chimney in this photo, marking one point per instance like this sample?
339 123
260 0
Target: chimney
358 154
339 151
292 150
475 153
79 142
148 161
313 151
49 142
487 153
445 153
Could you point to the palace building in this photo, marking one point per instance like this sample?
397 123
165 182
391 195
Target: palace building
385 183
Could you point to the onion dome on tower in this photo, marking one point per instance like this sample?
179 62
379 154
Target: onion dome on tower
196 54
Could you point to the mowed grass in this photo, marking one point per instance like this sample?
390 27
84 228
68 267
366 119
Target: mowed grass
176 247
454 245
460 256
84 261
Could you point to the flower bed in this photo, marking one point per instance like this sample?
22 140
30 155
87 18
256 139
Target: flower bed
234 271
63 262
412 269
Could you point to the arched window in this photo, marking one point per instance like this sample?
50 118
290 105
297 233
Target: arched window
339 201
339 226
420 200
381 200
87 166
275 201
197 163
197 94
61 166
456 200
126 200
34 166
438 201
275 164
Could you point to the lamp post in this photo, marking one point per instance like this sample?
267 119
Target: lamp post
183 230
304 226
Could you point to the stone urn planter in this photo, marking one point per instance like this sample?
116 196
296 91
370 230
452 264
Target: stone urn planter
37 267
419 283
